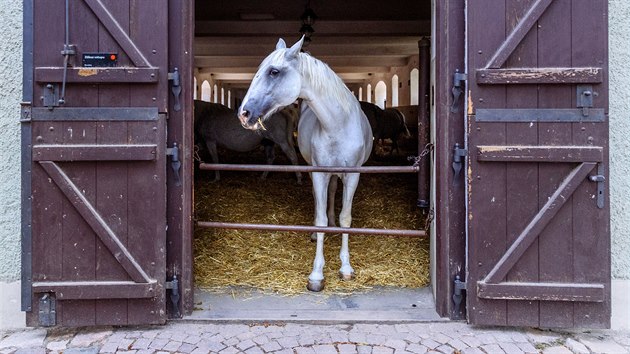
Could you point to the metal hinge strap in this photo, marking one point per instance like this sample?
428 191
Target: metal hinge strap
47 310
175 163
176 89
458 155
458 288
173 286
459 80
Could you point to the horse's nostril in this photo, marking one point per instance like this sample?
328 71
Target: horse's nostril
245 113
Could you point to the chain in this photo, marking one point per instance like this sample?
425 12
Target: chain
428 148
429 219
196 153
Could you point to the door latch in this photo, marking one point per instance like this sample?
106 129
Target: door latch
176 89
585 96
459 79
600 179
175 163
458 155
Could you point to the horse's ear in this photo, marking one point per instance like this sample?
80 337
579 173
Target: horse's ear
293 52
281 44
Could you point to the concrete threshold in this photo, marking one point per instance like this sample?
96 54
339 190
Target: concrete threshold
380 305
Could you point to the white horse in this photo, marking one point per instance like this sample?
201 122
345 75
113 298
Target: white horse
332 131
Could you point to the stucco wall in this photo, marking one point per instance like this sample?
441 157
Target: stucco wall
11 79
620 136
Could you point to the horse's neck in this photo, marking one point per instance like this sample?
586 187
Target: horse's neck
332 109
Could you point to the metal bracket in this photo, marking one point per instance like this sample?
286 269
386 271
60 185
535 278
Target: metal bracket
50 99
600 179
458 154
176 89
585 98
25 112
47 310
458 288
175 163
459 79
173 286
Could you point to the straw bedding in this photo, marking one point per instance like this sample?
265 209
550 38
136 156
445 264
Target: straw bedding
280 262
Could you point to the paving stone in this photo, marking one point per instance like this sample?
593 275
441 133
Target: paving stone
57 345
271 347
492 349
246 344
576 346
364 349
484 338
396 344
417 348
430 343
375 339
254 350
382 350
539 337
519 337
347 348
288 342
558 349
457 344
126 343
211 345
510 348
306 340
325 349
231 342
38 350
338 337
187 348
445 349
527 348
246 335
24 339
413 338
229 350
304 350
141 343
109 347
402 328
88 350
471 341
193 339
602 346
284 351
171 346
440 338
472 351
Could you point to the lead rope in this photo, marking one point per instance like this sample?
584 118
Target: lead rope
428 148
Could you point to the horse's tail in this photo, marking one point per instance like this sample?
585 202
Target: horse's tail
292 116
401 115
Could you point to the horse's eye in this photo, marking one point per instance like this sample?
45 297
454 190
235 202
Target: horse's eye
274 72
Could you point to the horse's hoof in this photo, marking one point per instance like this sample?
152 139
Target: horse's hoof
346 277
315 285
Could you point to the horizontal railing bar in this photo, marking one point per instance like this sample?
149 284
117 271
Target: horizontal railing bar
307 168
304 228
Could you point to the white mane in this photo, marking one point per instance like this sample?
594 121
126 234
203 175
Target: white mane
322 78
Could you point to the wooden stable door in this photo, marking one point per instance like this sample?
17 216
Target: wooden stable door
538 213
95 132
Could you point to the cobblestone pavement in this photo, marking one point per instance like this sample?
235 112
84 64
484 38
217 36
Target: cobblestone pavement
182 337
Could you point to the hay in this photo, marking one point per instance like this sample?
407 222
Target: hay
280 262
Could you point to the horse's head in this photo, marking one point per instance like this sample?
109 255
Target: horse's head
276 84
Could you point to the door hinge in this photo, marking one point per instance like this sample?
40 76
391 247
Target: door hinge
600 179
47 310
458 155
175 163
176 88
458 289
173 287
459 82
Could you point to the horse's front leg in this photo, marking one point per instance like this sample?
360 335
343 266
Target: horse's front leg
320 189
350 183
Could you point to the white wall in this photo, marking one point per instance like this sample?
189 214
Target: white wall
11 79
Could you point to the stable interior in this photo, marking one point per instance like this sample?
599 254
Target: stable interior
242 274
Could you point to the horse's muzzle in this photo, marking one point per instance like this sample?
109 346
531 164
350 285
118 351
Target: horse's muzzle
248 121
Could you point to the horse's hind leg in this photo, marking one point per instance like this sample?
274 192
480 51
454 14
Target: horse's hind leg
269 153
214 155
350 183
320 187
289 151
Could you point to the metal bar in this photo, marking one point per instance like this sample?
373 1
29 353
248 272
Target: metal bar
305 168
95 114
542 291
305 228
527 115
